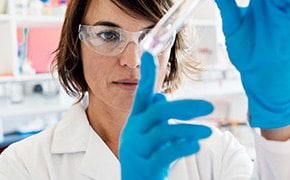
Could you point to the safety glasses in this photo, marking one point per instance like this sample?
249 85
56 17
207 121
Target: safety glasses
111 41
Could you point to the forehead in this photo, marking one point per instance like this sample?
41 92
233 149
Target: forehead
105 10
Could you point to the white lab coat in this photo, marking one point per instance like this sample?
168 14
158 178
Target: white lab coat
71 150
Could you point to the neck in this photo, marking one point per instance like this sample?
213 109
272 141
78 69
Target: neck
107 123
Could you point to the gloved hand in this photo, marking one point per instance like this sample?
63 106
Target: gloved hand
258 44
148 143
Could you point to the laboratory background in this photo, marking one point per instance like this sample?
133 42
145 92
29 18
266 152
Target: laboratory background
31 99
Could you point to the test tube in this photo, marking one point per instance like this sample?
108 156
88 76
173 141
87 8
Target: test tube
169 24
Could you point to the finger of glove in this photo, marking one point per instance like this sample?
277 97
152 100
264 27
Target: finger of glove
178 149
231 15
158 97
179 109
163 135
281 3
145 88
166 133
282 6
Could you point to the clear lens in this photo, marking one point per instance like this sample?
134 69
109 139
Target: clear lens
111 41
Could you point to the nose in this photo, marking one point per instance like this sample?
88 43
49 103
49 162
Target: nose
130 57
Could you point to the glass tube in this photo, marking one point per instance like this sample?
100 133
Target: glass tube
169 25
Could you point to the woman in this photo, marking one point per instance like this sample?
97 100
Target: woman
99 54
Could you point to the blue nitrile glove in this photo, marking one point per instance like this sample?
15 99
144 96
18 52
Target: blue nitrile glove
148 143
258 44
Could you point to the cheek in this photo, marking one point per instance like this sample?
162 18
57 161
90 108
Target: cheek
89 62
94 65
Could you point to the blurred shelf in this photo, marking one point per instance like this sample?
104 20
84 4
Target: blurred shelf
33 21
32 105
4 17
218 88
26 78
38 21
208 89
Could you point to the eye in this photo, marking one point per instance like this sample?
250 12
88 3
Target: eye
109 35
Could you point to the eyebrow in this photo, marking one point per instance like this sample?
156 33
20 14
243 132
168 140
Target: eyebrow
111 24
106 23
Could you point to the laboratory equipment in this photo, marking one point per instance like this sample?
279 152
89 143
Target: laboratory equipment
169 25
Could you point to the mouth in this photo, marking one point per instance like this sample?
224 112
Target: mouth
127 84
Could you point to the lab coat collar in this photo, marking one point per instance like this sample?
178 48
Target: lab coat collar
73 131
98 156
74 134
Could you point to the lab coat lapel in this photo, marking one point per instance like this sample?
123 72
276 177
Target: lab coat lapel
72 132
99 162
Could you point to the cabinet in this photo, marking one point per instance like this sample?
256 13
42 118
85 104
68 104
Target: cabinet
11 25
28 94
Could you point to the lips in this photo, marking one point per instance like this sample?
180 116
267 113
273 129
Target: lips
127 81
127 84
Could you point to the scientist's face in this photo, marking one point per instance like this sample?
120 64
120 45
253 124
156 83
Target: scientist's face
112 80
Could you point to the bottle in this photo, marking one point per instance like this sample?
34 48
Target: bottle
21 7
35 7
46 7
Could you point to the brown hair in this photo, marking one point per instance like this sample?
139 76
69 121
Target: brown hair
68 61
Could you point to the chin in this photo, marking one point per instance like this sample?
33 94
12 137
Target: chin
126 105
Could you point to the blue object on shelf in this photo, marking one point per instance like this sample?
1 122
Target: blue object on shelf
14 137
62 2
45 1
